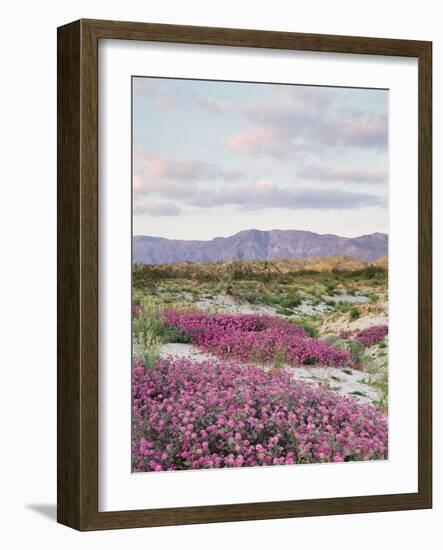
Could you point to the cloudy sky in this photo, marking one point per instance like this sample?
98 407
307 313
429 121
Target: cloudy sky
213 158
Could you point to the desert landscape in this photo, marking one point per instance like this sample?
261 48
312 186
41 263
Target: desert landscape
259 274
257 362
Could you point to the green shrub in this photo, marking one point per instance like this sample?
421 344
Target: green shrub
356 350
146 345
291 301
344 306
308 327
271 299
354 313
173 335
285 311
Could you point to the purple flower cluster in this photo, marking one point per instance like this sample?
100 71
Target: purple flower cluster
255 338
372 335
189 415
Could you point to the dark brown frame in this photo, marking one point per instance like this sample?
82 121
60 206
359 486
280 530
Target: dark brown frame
77 456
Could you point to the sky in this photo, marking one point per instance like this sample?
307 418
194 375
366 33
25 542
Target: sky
212 158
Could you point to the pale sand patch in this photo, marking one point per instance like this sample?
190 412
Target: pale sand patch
345 381
350 298
187 351
222 303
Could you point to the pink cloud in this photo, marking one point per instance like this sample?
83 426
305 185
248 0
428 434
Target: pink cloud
308 97
249 195
157 167
152 90
306 120
143 86
365 130
260 141
267 194
163 102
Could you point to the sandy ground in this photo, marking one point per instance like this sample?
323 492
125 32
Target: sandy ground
223 303
336 379
184 350
346 382
370 315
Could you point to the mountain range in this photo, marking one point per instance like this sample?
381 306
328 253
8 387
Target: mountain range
253 244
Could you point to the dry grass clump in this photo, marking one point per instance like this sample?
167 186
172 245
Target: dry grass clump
281 271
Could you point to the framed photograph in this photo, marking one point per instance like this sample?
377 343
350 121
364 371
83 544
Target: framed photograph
244 275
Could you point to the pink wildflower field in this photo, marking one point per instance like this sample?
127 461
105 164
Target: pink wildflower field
244 407
190 415
367 337
255 338
372 335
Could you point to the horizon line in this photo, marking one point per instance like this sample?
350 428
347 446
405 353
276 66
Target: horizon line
264 231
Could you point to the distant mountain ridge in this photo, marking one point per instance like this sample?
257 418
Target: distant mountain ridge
253 244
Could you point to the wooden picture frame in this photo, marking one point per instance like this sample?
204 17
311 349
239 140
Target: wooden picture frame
77 480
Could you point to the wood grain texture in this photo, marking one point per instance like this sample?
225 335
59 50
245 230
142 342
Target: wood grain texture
425 273
77 172
254 38
68 276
